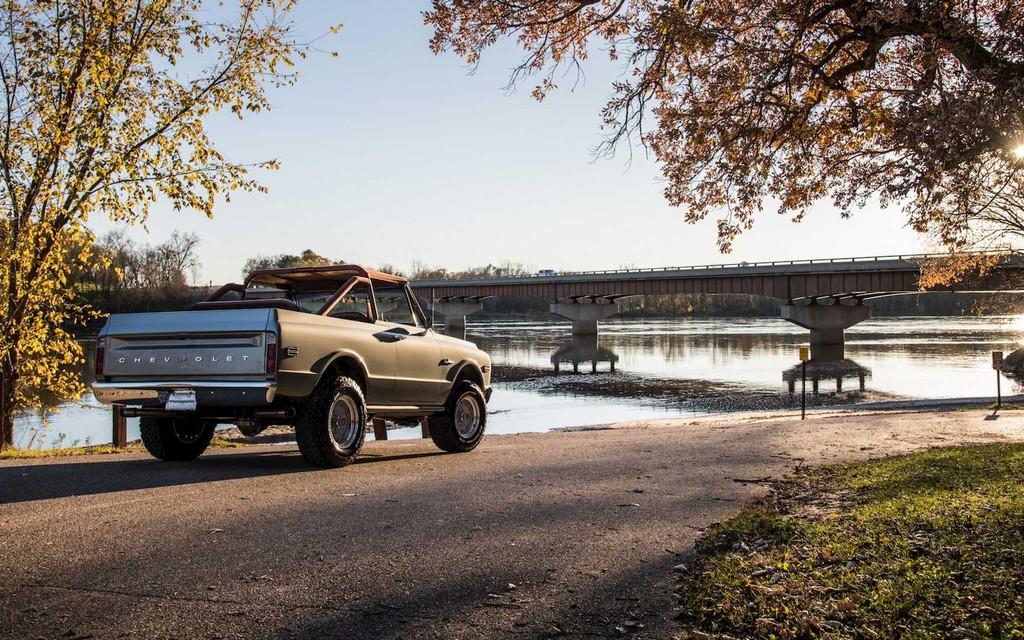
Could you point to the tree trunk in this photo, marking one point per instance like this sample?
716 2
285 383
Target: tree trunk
8 379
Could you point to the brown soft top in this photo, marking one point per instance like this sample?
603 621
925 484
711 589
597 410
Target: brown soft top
312 278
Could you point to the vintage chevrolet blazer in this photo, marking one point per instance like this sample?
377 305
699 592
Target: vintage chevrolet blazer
324 349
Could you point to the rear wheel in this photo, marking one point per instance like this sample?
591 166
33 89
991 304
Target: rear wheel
173 438
331 425
461 427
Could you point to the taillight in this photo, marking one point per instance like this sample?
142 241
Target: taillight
271 354
100 352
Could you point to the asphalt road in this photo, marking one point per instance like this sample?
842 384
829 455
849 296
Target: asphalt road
530 536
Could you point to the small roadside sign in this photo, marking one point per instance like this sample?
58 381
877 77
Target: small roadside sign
805 355
997 360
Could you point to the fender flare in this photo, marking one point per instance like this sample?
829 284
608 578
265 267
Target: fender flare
325 363
456 370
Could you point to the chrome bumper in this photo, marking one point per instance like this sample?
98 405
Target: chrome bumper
212 394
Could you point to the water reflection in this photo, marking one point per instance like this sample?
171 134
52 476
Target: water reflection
816 371
583 349
455 331
918 357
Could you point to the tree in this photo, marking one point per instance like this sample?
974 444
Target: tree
103 112
913 102
125 276
178 257
307 258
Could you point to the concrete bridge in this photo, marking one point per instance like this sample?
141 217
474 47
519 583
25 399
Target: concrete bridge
824 296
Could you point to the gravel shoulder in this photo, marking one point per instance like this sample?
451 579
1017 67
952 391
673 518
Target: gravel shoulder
532 535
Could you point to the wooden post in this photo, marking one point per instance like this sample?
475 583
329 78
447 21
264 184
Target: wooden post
803 389
380 430
120 428
6 422
425 428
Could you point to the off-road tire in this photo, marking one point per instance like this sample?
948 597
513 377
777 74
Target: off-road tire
176 439
443 430
312 423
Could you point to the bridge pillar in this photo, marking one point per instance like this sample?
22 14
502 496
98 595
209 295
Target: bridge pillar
584 316
827 323
455 312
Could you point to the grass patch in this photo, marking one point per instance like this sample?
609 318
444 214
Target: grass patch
226 444
10 453
928 545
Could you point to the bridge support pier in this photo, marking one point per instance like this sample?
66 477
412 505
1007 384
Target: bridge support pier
827 323
585 316
455 312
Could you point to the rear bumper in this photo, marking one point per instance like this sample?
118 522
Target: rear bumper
208 394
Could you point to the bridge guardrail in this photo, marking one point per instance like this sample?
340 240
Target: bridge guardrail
726 265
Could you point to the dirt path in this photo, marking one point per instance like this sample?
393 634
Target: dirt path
528 537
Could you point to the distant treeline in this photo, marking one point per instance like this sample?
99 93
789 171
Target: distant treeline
736 305
724 305
125 276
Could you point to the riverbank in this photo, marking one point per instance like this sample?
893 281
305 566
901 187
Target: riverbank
921 545
685 394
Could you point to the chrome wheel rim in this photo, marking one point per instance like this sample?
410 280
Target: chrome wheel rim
467 416
343 422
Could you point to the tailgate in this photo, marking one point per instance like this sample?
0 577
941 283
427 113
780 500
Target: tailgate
187 344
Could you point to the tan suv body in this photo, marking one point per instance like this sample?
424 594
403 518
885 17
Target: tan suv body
266 351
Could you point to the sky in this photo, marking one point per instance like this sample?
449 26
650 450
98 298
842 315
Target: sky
390 154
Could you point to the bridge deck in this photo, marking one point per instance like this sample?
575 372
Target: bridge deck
788 280
802 267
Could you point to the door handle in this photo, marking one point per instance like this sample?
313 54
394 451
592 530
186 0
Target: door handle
385 336
445 363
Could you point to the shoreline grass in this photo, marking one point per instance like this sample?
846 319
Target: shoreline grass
11 453
926 545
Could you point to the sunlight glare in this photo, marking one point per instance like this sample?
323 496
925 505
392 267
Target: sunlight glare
1019 151
1018 324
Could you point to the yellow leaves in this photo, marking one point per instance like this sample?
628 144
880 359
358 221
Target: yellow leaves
106 115
35 337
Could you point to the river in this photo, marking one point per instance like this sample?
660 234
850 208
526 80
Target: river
668 367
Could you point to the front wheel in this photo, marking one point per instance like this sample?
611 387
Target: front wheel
172 438
461 427
331 425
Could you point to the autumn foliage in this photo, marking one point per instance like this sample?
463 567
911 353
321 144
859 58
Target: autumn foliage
914 103
103 108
